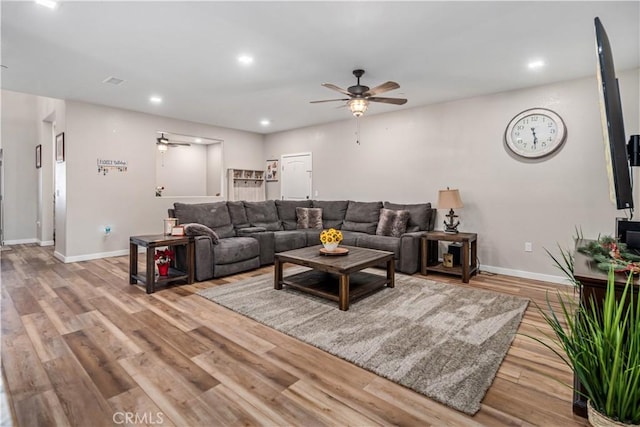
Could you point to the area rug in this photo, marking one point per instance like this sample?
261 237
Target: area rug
444 341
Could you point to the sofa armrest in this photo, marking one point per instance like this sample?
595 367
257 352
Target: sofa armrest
265 238
204 258
409 261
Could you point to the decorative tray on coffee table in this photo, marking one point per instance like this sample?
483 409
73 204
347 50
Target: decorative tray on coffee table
336 251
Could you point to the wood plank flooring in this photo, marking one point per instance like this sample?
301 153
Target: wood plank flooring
82 347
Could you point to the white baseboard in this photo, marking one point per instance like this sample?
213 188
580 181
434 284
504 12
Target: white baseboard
20 242
526 274
87 257
46 242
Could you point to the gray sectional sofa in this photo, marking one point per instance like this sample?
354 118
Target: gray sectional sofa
238 235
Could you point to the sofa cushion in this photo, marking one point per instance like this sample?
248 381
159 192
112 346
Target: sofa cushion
362 217
382 243
333 212
309 218
213 215
287 211
263 214
392 223
238 214
419 215
313 236
350 238
195 229
235 249
289 239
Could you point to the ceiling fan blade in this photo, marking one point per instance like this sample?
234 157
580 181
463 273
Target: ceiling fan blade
330 100
384 87
336 88
177 144
396 101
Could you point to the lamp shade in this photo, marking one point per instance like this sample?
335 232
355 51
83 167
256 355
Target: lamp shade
449 199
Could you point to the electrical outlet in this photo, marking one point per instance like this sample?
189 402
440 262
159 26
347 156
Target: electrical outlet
528 247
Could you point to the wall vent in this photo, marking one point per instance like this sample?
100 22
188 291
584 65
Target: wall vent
113 81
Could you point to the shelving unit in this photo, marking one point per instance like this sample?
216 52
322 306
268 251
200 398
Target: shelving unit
246 184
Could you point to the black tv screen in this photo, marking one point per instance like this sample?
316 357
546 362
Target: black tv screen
612 123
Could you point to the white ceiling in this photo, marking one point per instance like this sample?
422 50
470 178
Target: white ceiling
186 52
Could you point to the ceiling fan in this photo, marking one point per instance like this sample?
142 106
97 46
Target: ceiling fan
359 95
163 143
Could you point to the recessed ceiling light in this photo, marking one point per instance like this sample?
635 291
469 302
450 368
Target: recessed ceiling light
51 4
535 65
265 122
197 140
245 59
155 99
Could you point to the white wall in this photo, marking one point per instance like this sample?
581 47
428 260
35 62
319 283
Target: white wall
126 200
19 138
409 155
215 171
182 170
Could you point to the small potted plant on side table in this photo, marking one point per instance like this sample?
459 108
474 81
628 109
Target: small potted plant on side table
163 259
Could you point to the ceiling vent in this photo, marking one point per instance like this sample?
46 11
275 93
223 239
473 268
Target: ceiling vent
113 81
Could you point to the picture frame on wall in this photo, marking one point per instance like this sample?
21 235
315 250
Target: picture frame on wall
272 170
38 156
60 147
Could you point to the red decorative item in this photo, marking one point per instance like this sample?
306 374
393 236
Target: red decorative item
163 269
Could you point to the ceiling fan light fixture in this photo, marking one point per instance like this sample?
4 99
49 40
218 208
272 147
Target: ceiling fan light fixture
162 147
358 106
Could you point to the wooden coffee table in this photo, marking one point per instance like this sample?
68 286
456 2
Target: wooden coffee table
338 278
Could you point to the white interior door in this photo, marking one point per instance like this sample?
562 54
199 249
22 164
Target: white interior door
296 171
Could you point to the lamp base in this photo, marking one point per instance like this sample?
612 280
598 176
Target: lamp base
450 227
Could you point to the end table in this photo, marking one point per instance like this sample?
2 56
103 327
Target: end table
468 265
151 242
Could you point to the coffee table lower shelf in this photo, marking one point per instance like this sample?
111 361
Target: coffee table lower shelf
327 285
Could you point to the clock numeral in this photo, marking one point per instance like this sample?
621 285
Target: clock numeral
550 124
516 133
534 118
544 144
552 131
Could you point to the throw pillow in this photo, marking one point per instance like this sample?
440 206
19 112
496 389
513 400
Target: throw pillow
392 223
195 229
309 218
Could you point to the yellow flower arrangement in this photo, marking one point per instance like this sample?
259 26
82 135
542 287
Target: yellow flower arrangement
331 236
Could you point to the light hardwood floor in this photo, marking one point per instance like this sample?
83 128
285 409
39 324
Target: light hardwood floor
80 346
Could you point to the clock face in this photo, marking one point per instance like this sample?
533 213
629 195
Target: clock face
535 133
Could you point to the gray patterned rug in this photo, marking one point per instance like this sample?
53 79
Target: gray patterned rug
444 341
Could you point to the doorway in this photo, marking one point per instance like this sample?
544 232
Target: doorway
296 175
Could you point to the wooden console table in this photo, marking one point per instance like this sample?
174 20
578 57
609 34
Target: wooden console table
151 242
468 265
593 282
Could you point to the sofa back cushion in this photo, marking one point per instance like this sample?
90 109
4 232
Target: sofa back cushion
263 214
392 223
238 214
362 217
421 216
333 212
287 212
213 215
309 218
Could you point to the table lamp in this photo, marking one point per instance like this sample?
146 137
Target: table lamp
450 199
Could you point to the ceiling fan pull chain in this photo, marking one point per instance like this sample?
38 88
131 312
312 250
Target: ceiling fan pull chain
358 130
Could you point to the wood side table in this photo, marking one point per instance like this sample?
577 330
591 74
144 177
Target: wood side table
151 242
468 265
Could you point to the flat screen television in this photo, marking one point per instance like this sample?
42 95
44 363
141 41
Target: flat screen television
620 184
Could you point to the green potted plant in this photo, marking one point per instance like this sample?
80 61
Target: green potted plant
601 345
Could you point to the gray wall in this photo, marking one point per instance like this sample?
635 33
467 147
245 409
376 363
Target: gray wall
126 200
409 155
19 138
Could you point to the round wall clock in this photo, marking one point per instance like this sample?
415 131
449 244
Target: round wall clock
535 133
